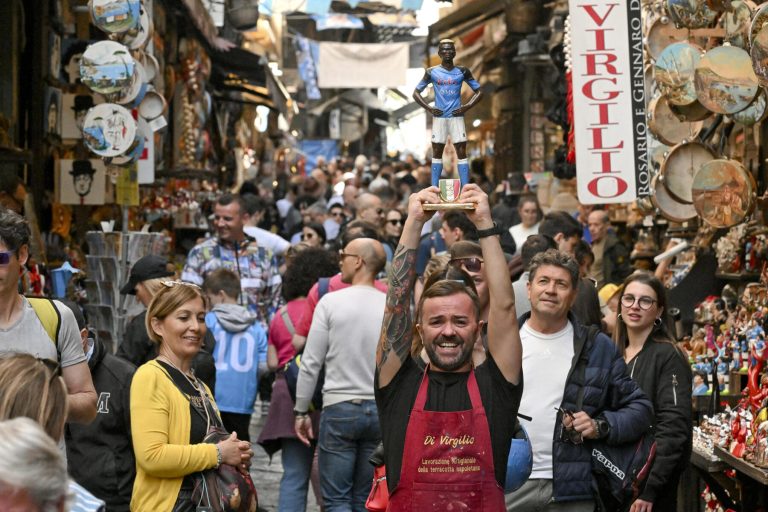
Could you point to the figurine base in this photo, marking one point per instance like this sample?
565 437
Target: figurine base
431 207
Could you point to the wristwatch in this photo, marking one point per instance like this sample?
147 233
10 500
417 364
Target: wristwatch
300 414
495 230
603 427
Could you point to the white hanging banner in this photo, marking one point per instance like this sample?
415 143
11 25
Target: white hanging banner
609 101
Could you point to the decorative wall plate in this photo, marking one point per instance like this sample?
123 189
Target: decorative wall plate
754 113
681 165
722 193
137 38
737 21
109 130
674 72
759 18
666 127
759 54
668 207
134 92
115 16
725 80
107 67
662 33
691 13
693 112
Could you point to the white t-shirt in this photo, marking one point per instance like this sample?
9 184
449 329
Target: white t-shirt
546 362
275 243
521 233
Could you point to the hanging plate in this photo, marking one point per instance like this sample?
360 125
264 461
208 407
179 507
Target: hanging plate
737 22
722 193
674 72
693 112
667 206
666 127
107 67
754 113
115 16
136 38
135 92
681 165
725 80
759 19
691 13
661 34
109 130
759 54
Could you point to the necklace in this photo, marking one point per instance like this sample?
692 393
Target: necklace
201 400
192 381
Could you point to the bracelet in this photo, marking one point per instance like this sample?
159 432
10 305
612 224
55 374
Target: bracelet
218 457
495 230
300 414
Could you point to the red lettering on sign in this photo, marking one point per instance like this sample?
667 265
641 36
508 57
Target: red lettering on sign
592 63
597 142
619 184
590 9
589 91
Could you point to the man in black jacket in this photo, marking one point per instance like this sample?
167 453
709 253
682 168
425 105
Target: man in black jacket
576 390
100 455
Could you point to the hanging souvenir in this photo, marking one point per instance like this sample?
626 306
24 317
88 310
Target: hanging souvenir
114 16
152 108
691 13
666 127
693 112
681 165
759 54
134 93
151 67
754 113
723 194
674 72
759 19
133 153
109 130
668 207
725 80
736 22
107 67
661 34
137 38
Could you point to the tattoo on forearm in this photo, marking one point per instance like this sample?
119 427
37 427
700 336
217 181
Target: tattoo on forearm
397 325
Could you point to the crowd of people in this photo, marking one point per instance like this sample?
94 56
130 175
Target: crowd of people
375 330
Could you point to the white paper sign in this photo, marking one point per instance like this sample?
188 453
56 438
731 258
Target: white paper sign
609 101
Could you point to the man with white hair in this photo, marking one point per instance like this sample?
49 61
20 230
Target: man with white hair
33 474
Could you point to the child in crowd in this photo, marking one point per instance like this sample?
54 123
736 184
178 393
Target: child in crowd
240 352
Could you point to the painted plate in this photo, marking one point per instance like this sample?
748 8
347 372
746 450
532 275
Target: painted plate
107 67
681 165
115 16
663 33
137 38
666 127
737 21
135 92
109 130
759 19
759 54
691 13
725 80
754 113
722 193
668 207
674 72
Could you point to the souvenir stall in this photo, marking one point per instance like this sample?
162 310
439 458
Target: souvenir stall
705 79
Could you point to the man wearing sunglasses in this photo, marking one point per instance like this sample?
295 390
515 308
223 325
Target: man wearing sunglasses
576 389
447 429
23 331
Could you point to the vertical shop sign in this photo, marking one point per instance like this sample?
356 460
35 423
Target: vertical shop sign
609 100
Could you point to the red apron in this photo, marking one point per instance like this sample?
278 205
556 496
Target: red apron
447 460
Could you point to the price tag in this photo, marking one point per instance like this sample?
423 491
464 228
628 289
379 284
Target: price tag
158 123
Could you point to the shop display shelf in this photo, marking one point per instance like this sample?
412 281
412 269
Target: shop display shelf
760 475
707 463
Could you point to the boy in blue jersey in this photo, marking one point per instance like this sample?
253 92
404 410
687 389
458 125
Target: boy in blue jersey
240 352
448 112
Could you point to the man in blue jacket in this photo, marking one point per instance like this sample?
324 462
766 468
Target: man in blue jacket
564 364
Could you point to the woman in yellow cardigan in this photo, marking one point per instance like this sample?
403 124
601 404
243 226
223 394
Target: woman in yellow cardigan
169 417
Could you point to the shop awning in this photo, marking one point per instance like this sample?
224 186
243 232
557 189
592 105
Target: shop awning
359 97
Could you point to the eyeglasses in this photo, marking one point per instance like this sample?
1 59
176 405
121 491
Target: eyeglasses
569 434
471 264
395 222
343 255
643 302
171 284
5 257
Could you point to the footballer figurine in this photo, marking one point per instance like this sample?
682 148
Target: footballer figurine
448 111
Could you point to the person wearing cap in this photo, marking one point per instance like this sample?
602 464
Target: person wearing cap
447 429
82 177
609 305
100 455
146 279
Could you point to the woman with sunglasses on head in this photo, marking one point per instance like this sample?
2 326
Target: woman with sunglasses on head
313 234
172 410
662 371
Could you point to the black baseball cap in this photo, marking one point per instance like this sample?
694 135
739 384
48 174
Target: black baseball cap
148 267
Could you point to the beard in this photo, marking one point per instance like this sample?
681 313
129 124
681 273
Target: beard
449 365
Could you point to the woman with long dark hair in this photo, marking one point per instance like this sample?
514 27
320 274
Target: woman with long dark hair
661 369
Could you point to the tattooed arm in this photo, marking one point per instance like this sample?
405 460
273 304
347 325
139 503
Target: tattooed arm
396 330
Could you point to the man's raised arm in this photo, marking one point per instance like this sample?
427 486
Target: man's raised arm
503 333
397 327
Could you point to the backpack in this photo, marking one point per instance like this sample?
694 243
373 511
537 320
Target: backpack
292 367
50 317
619 471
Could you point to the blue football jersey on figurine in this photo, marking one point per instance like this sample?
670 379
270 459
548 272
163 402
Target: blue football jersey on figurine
447 85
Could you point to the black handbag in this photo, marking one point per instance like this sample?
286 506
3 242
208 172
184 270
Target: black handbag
221 489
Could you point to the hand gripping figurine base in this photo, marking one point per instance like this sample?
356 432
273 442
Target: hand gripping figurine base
448 112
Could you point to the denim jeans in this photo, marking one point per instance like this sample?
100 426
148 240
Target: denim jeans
349 432
536 496
297 463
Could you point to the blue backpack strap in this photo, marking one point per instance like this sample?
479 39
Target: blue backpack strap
322 286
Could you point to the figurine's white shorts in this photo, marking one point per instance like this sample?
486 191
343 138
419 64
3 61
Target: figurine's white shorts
442 127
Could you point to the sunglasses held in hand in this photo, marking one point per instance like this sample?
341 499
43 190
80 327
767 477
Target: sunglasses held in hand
471 264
